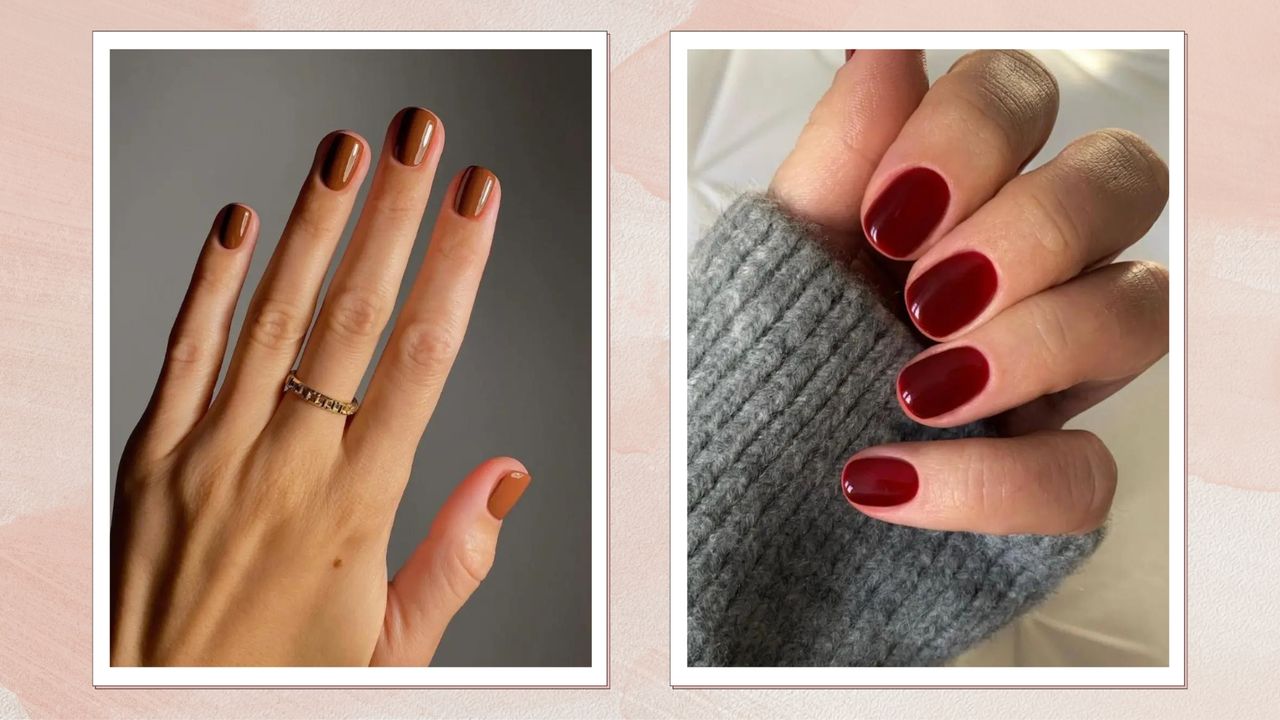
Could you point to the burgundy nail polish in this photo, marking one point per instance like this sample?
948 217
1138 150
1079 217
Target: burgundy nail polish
951 294
904 214
943 382
879 481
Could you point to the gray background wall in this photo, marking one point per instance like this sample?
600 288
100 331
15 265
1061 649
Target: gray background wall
193 130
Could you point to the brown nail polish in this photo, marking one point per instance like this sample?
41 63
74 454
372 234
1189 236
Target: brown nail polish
340 160
413 136
473 191
233 224
504 497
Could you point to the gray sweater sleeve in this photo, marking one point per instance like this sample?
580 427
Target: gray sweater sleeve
792 356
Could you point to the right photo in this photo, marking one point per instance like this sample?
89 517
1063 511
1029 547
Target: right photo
927 383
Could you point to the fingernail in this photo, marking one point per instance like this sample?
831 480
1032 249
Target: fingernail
848 54
233 224
901 219
879 481
413 135
509 489
340 160
473 191
952 294
942 382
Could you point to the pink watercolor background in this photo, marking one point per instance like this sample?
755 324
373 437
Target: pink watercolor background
1233 395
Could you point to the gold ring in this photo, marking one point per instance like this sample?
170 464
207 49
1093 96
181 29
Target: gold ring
293 385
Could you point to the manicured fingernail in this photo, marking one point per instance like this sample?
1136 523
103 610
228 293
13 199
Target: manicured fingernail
340 160
848 54
944 381
879 481
233 224
952 294
509 489
413 135
904 214
473 191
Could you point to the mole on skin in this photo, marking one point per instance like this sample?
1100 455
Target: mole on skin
337 562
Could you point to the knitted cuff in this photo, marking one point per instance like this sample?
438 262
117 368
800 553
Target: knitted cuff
792 356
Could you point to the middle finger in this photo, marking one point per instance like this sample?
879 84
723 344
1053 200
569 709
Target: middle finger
363 291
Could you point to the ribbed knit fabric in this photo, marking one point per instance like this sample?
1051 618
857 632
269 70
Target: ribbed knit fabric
792 357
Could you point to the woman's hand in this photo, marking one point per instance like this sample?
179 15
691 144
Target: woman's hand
1010 273
251 528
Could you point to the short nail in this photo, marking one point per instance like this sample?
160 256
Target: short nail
944 381
473 191
233 224
413 135
340 160
879 481
509 489
952 294
904 214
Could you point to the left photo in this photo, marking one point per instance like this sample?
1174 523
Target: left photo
349 359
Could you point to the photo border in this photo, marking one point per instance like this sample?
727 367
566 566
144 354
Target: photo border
594 676
684 676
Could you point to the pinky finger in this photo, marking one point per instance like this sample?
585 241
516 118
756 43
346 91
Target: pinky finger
1048 483
198 340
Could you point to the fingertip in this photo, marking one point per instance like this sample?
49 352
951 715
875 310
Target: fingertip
235 225
342 159
475 193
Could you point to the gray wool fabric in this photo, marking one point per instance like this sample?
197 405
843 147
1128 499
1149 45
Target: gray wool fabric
792 356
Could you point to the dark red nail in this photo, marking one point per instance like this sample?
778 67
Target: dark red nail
943 382
879 481
848 54
951 294
901 219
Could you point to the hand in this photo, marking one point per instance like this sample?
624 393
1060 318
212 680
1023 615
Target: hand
1011 273
251 528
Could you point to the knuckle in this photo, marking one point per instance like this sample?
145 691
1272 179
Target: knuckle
1056 228
1052 341
1123 160
428 349
277 326
1143 300
984 488
1091 495
314 223
354 314
462 248
467 564
1013 91
185 351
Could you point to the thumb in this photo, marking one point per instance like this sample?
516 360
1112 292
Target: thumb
449 564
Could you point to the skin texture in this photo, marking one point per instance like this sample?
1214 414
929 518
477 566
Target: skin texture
248 526
1063 329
